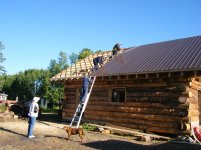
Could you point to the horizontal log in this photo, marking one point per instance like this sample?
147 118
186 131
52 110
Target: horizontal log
98 98
69 106
165 81
160 94
162 124
137 116
164 111
143 104
65 114
163 100
155 129
71 97
100 94
69 90
69 101
175 88
196 83
68 110
196 87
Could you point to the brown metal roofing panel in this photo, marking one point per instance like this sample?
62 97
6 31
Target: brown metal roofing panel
182 54
180 47
185 56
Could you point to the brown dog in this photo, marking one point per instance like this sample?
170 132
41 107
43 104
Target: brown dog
74 131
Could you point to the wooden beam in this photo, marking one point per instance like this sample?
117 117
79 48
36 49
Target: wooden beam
138 133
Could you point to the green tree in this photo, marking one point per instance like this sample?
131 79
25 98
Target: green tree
63 60
2 81
98 51
84 53
73 58
54 91
56 67
24 84
2 59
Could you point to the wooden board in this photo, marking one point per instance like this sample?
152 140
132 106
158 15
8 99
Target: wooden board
131 132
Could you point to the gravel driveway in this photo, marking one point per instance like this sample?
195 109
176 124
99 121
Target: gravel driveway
50 135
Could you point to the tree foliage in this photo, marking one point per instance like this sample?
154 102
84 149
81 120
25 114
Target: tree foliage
56 67
2 59
84 53
73 58
35 82
54 92
98 51
24 85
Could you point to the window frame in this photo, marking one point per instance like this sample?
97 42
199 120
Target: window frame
111 94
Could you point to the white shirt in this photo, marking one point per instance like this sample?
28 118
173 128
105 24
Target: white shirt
31 110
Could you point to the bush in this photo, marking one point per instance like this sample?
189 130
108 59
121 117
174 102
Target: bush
49 110
2 108
89 127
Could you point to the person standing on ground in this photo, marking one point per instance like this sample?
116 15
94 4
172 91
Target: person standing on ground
85 84
32 115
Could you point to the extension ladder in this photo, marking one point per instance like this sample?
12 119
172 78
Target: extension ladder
81 107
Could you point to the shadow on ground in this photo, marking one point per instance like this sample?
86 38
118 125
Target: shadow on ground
7 130
124 145
50 117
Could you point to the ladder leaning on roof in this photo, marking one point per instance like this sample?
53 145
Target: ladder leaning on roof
81 108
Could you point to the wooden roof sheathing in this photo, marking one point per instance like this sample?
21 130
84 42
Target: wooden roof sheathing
85 65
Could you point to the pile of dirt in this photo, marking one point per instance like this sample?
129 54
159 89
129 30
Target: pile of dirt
8 116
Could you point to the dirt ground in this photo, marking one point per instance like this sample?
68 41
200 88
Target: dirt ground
50 135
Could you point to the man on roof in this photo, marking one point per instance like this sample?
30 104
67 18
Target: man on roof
116 49
98 61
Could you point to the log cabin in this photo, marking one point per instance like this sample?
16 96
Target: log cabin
153 88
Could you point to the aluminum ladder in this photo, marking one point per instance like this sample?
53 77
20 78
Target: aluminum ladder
81 107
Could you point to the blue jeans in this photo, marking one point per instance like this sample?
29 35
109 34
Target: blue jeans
32 121
84 93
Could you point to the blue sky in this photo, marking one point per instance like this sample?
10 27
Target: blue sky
35 31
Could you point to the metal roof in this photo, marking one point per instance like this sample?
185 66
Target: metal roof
175 55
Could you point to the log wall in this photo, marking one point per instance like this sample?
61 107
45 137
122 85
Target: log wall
196 88
156 105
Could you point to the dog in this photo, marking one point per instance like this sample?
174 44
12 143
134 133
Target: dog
74 131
